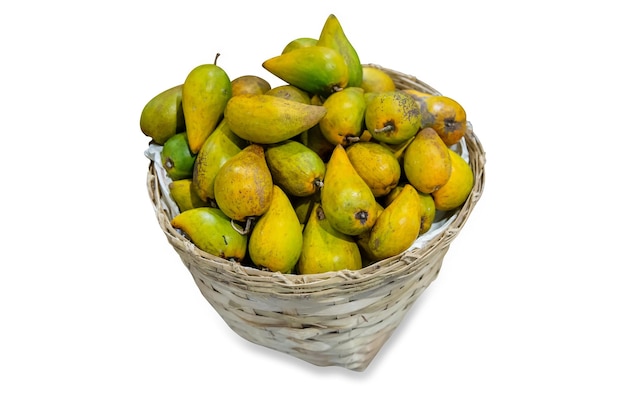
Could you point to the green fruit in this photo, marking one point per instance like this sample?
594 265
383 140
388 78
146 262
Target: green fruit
315 69
177 158
295 167
333 36
162 117
299 43
211 231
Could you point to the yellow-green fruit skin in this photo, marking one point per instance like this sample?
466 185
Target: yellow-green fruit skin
249 84
162 117
458 188
211 231
393 117
296 168
397 227
243 185
185 195
176 157
290 92
344 120
296 43
333 36
348 202
206 90
377 165
427 162
266 119
315 69
375 80
275 242
325 249
221 145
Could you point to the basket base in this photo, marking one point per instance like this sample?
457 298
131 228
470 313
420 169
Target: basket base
320 337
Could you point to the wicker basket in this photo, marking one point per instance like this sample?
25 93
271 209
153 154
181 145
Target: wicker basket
331 319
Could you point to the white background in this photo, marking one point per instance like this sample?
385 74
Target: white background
99 317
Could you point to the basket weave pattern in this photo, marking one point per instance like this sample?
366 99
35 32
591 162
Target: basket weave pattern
332 319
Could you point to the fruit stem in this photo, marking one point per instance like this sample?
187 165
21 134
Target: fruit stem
318 183
387 128
361 216
246 230
217 55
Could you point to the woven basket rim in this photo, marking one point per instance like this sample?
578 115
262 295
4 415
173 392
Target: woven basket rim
287 284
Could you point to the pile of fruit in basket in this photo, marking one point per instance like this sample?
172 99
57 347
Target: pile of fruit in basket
334 169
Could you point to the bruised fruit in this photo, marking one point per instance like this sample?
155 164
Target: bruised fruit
392 117
446 116
249 84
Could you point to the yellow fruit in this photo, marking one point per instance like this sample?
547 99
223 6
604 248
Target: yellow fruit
348 202
276 240
185 195
446 116
426 161
392 117
326 249
397 226
266 119
249 84
243 185
375 80
290 92
206 91
455 192
376 164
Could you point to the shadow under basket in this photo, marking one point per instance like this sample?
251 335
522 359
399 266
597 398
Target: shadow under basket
331 319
